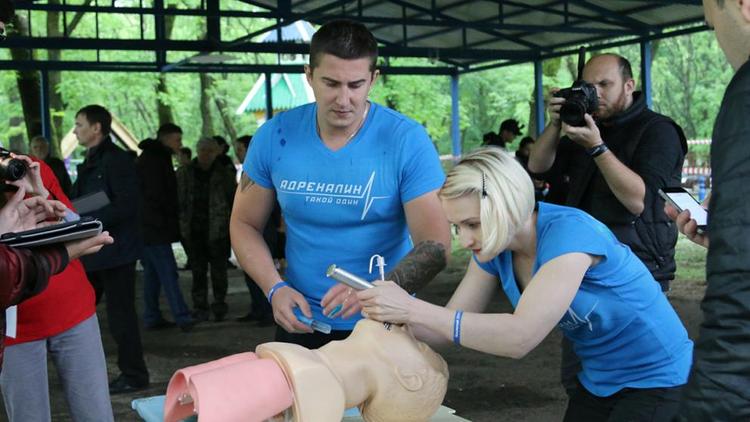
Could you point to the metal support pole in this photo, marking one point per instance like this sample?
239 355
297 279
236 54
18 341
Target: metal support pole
646 56
538 98
455 128
269 96
44 104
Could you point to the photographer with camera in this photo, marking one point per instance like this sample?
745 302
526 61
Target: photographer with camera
59 323
617 154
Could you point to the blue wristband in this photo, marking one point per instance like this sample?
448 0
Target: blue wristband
457 327
276 287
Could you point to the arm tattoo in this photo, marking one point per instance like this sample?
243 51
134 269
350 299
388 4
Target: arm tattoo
245 182
420 266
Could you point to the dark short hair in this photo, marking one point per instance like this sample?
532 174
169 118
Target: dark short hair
166 129
187 151
494 139
245 140
95 113
525 141
345 39
512 126
7 11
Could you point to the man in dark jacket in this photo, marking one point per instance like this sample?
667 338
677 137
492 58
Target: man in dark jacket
617 162
111 170
719 386
161 227
206 191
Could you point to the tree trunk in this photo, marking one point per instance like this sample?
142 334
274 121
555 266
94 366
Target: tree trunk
207 127
226 117
163 109
56 103
28 89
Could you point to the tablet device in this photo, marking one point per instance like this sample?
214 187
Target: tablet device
91 202
57 233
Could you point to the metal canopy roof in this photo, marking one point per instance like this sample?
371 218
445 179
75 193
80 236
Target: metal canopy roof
457 35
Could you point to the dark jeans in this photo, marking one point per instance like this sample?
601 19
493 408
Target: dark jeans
202 254
315 340
259 306
118 286
160 270
627 405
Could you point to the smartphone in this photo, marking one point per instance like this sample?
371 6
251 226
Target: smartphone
683 200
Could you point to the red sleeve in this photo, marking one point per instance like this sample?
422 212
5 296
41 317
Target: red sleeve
24 273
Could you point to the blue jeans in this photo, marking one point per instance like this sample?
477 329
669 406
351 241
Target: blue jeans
160 270
79 358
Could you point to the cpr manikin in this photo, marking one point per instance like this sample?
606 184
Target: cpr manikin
381 369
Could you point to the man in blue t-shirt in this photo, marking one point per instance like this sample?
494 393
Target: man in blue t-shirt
353 179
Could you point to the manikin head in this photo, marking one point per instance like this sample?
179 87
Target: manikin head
386 372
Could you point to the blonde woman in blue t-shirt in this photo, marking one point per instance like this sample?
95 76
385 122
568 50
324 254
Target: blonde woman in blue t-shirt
559 267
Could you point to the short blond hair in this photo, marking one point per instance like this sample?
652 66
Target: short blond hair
504 189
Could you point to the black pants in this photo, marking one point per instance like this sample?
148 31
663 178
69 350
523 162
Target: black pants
259 306
627 405
202 254
570 366
315 340
118 287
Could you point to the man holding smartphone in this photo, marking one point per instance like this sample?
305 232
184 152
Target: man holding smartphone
719 386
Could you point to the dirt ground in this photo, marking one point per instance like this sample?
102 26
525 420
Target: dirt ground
481 388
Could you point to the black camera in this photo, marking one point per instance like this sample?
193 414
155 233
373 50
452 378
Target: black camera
11 169
581 98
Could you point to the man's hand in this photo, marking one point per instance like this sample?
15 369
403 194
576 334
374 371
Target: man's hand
32 181
340 301
586 136
79 248
553 107
687 225
283 303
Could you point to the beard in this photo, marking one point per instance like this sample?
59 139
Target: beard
613 108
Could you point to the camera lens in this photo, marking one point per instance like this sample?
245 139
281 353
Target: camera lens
12 170
572 112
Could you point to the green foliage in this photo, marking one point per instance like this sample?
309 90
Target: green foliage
689 75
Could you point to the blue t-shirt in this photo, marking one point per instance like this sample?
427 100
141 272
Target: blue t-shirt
620 323
342 207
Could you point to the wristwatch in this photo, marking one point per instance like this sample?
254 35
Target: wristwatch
597 150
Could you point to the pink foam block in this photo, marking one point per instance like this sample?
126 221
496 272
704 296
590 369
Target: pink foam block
240 387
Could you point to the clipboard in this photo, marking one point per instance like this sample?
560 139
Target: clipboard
57 233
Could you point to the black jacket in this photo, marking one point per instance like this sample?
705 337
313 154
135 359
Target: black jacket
110 169
61 173
654 147
719 386
158 188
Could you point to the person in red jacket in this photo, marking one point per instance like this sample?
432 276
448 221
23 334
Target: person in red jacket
60 322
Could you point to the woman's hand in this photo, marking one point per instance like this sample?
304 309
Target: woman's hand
89 245
32 181
387 302
25 214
